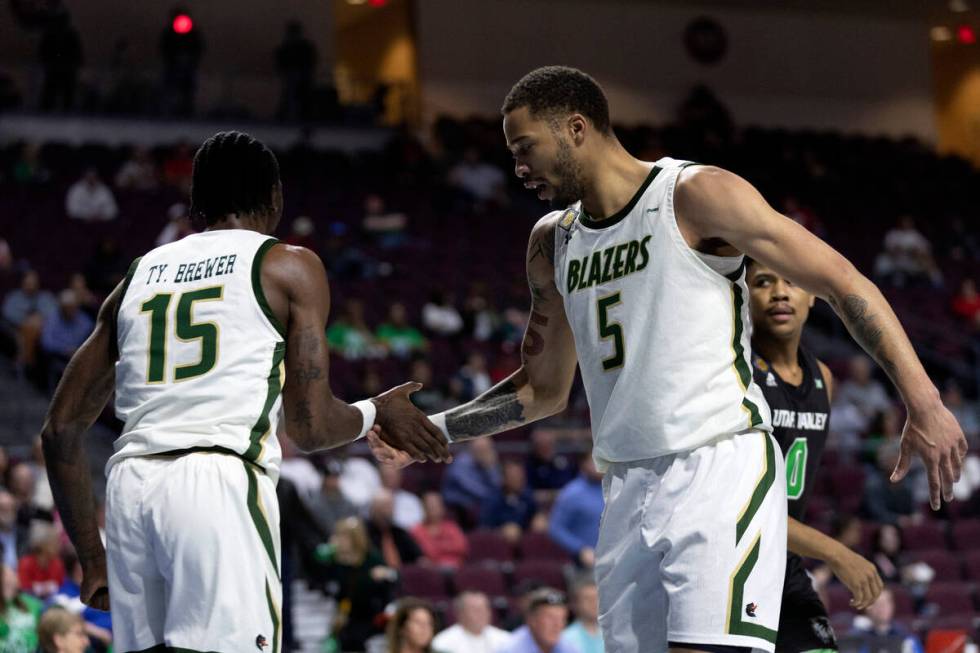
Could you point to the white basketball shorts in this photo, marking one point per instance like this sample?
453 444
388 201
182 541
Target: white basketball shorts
193 555
692 548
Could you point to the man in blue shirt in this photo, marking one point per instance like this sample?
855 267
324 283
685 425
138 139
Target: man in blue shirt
576 513
585 634
472 481
545 617
513 507
63 333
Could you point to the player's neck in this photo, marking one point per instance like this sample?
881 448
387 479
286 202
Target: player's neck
614 181
782 355
257 223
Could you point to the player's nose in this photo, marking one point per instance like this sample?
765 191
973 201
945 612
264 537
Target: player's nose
521 169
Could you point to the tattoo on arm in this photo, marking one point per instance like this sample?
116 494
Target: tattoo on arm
497 409
864 327
544 246
533 340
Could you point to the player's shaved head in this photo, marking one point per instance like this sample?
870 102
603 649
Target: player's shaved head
552 91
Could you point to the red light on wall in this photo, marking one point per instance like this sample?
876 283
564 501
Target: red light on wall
377 3
183 24
966 35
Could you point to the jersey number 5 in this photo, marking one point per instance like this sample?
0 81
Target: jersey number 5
612 330
186 331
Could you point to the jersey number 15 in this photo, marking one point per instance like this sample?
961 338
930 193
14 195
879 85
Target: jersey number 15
186 331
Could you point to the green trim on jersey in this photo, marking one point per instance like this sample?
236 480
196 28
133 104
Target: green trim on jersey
274 613
762 488
741 365
258 517
617 217
257 286
261 429
736 594
130 273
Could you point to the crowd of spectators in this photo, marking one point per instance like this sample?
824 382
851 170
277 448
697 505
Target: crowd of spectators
425 253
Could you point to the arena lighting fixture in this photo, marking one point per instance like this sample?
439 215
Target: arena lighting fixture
940 34
966 35
183 24
958 6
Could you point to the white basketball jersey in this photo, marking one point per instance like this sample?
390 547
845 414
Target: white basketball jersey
661 330
200 351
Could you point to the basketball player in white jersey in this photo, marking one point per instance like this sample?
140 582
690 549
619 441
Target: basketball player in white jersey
639 279
202 343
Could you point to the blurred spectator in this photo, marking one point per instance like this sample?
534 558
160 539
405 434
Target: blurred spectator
863 392
346 260
6 260
29 169
64 333
584 634
107 267
472 480
965 412
41 572
408 507
878 622
329 505
60 55
474 376
576 513
966 304
41 496
13 536
886 553
547 469
181 54
412 627
886 502
22 482
401 339
513 509
178 167
97 624
178 225
350 336
804 216
24 313
20 615
302 233
545 617
87 301
481 183
441 540
440 317
61 631
91 200
386 228
139 171
357 578
395 544
296 65
360 481
473 632
429 399
480 321
907 257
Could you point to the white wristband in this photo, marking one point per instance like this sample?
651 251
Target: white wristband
369 411
439 419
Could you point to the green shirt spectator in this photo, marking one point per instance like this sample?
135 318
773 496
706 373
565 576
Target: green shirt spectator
401 338
18 625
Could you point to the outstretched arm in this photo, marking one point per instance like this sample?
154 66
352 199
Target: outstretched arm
714 203
295 283
78 400
860 576
540 387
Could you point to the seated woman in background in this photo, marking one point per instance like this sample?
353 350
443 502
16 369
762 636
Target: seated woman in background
412 627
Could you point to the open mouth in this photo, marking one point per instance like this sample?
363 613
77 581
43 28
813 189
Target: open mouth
537 185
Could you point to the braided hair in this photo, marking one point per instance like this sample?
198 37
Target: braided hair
233 173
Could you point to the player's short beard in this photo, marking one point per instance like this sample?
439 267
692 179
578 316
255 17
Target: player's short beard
570 187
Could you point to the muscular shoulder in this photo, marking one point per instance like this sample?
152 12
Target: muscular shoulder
541 245
292 264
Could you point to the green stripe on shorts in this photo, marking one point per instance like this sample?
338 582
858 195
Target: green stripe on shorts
761 489
736 594
258 517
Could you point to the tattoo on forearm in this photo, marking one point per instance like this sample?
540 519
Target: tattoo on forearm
498 409
308 346
533 340
865 328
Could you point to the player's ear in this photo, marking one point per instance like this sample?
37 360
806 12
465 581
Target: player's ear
577 125
813 300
